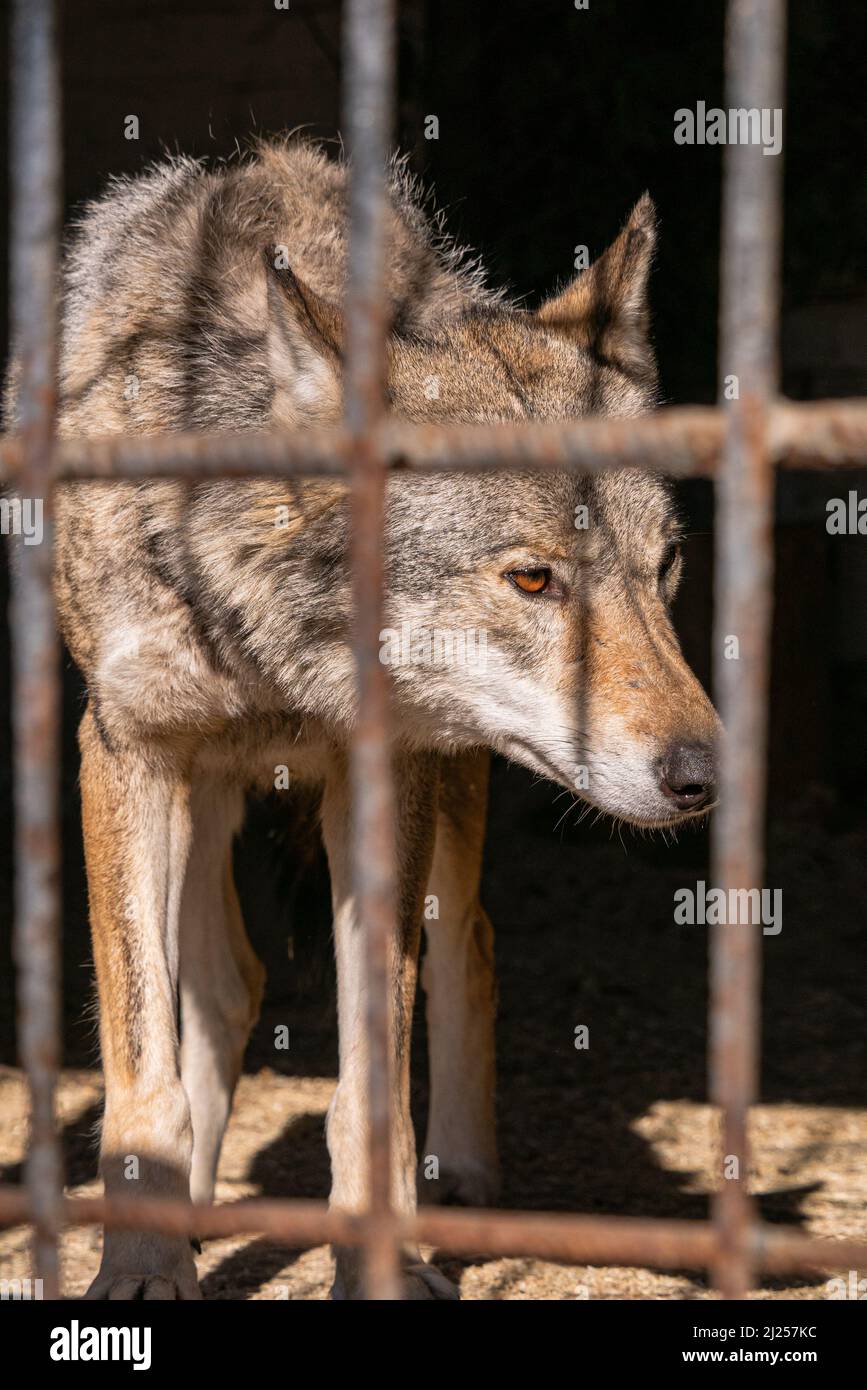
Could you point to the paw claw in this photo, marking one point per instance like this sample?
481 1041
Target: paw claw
419 1281
146 1288
132 1274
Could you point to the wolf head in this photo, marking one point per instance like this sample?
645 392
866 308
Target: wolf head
529 613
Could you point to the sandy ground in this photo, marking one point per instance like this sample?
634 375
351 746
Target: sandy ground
585 935
814 1153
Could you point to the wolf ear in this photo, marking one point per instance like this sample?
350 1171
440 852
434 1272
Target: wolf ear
304 337
605 308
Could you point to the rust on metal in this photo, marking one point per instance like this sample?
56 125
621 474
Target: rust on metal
661 1243
738 447
742 617
680 441
35 190
369 102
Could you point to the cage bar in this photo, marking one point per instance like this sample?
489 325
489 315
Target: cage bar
368 115
680 441
35 189
660 1242
738 446
743 592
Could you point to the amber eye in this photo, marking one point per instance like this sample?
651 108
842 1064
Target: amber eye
530 581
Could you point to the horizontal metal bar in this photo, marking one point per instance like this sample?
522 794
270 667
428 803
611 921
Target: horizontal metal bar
656 1243
681 441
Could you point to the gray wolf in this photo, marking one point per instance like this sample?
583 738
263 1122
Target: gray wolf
211 624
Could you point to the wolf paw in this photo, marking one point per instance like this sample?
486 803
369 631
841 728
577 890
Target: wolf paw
164 1273
419 1280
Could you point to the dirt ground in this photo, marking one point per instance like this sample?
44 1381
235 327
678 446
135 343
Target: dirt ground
585 935
803 1153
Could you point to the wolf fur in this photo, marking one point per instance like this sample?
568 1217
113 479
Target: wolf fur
211 623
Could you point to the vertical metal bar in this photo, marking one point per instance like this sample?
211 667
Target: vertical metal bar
744 565
369 104
36 677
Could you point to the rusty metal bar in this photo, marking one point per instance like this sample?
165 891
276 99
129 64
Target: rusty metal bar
681 441
35 189
744 563
369 102
663 1244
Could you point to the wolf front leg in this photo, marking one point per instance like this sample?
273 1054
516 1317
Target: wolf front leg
136 834
459 1163
416 782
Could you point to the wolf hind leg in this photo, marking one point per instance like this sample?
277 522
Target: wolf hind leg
459 1163
221 978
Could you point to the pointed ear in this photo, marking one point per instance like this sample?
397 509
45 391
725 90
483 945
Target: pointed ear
304 337
605 308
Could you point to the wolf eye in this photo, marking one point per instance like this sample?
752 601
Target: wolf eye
530 581
667 561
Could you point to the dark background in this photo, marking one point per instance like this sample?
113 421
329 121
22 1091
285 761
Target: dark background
551 123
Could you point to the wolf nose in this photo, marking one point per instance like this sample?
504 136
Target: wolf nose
687 775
